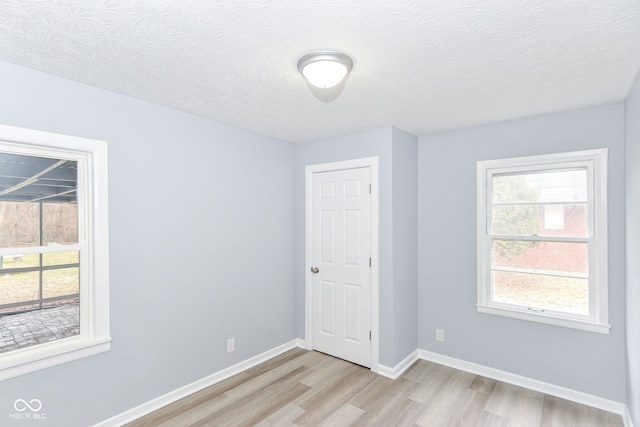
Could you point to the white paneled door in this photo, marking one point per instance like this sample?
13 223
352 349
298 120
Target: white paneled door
341 264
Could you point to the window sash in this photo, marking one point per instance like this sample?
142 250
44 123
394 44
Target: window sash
592 292
588 165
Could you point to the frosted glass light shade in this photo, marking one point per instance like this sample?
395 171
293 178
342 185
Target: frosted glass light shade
325 69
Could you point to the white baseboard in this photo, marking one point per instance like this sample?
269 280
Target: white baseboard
626 417
173 396
543 387
302 344
399 369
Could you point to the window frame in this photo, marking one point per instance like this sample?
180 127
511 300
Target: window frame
596 162
93 244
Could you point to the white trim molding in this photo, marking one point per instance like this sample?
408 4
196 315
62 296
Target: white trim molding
371 162
529 383
626 417
400 368
182 392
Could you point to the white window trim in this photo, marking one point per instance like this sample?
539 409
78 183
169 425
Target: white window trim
94 334
598 321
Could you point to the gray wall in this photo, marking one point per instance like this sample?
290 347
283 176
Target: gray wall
396 151
632 157
405 244
202 246
588 362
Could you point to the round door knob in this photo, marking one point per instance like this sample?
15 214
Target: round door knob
315 270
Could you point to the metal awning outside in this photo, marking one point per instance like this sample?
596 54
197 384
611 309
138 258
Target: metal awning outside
37 179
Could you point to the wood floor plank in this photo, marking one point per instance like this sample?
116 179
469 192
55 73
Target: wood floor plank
344 416
194 415
190 402
419 371
383 401
444 406
560 412
470 411
307 388
483 385
487 419
256 406
370 395
431 385
291 355
332 394
409 411
282 417
258 381
327 369
520 405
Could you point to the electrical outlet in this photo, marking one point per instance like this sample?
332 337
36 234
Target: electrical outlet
231 345
440 335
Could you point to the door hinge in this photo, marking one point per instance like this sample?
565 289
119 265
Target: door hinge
369 335
369 261
369 188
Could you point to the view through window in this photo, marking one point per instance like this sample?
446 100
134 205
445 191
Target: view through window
39 253
542 262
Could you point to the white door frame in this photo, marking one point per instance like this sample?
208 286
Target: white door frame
371 162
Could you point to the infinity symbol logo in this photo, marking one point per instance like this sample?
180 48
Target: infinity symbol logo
21 405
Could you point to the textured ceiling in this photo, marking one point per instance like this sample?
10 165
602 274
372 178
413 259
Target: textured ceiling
422 66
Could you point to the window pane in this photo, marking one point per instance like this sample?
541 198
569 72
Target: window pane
38 207
38 327
557 220
541 187
29 184
18 224
18 287
61 258
516 220
558 257
61 282
565 220
554 217
564 294
33 260
59 223
18 260
560 186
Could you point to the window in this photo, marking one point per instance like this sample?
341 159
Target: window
542 239
54 275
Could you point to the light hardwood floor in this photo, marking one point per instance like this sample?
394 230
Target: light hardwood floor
307 388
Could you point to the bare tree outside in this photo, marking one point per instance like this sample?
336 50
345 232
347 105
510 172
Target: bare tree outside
511 216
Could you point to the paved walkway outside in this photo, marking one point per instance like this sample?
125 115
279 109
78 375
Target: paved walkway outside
39 326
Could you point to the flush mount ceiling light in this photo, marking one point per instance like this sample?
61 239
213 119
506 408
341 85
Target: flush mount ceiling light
325 70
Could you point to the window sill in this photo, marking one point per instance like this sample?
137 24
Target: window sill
41 356
546 319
